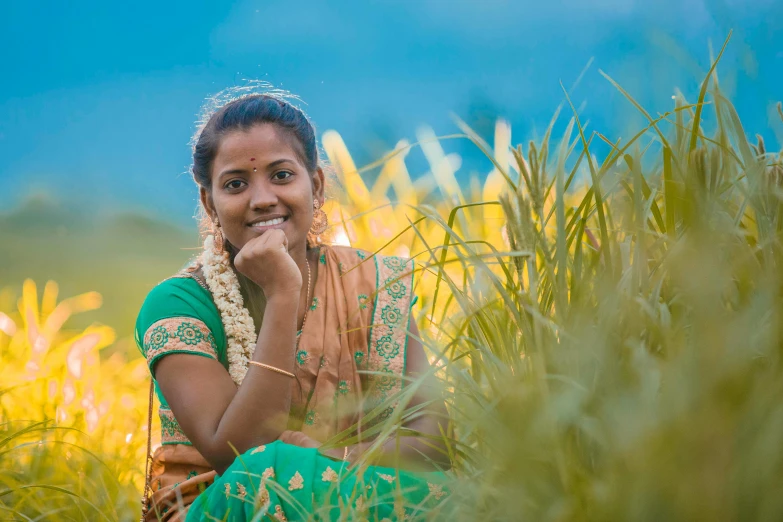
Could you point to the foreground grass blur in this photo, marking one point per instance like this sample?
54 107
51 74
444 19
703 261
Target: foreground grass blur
607 332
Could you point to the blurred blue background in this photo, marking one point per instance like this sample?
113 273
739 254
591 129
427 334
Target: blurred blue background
98 99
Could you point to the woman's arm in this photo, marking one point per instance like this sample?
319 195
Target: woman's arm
210 408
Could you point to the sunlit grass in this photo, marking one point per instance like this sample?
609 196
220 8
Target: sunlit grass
607 331
71 421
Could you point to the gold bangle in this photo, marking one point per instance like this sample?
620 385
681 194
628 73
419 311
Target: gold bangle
272 368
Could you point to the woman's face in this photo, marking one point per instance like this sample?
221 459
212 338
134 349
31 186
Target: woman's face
259 183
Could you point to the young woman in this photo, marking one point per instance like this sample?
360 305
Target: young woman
269 344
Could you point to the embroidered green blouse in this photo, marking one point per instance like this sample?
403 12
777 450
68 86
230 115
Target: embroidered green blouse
163 331
179 316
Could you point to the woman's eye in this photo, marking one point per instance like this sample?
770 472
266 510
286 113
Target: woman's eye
282 175
234 184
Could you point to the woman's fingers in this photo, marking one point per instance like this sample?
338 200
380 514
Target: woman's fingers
297 438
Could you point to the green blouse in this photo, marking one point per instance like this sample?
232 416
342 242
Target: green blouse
159 325
179 316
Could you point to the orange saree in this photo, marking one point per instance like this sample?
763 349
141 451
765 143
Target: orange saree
349 359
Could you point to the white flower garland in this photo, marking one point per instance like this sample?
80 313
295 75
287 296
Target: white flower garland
239 326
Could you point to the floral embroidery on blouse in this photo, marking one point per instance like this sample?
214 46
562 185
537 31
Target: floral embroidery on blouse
279 514
361 255
268 473
387 478
242 491
296 482
157 338
176 335
436 490
170 430
363 301
358 357
263 496
258 450
311 417
227 489
399 510
315 304
189 333
329 475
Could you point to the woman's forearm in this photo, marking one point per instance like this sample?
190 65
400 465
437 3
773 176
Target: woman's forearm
408 451
258 413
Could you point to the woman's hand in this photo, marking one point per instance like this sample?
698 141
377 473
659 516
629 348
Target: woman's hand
265 261
297 438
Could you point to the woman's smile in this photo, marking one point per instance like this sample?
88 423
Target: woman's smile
268 223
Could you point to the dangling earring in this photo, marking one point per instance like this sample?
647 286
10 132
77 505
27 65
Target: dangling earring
218 233
320 221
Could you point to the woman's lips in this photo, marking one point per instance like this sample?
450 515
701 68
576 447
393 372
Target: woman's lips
269 224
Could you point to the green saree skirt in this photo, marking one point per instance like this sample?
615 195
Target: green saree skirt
280 482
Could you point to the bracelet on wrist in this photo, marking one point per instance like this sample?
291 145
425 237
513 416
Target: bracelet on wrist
272 368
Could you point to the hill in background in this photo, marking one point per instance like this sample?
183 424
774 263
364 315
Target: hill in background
121 255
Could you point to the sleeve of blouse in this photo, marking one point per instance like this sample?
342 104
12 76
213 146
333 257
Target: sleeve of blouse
174 319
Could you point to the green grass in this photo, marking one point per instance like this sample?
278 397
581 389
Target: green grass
48 473
630 367
618 359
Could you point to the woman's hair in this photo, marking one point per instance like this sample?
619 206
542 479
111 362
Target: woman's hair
242 113
239 109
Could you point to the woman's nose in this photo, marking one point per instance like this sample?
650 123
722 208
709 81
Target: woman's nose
262 195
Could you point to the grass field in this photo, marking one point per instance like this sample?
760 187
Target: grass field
607 330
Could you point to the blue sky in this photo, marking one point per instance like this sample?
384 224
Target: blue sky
98 99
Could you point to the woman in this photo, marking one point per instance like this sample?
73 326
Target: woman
268 345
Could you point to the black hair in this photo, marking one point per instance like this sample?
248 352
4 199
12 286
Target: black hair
242 114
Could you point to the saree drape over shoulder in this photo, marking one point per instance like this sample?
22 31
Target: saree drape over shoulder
350 357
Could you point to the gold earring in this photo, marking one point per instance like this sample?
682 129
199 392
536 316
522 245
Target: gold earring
218 233
320 221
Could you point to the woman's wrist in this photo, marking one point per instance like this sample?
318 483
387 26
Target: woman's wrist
284 298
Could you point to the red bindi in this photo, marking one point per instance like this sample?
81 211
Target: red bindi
252 159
